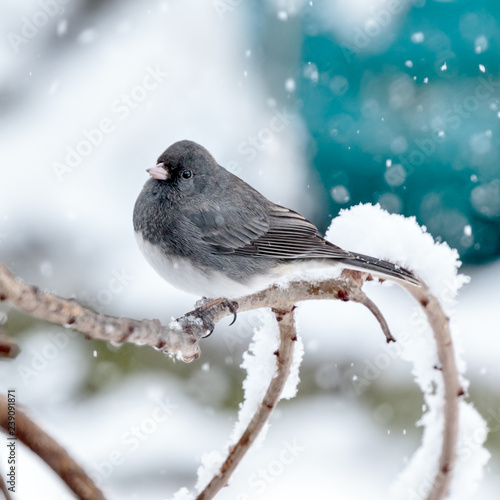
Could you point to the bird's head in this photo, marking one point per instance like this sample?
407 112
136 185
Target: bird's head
185 167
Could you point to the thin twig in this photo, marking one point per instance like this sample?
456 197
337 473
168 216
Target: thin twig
284 357
51 452
439 323
362 298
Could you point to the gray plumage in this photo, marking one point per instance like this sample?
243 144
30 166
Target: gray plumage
205 217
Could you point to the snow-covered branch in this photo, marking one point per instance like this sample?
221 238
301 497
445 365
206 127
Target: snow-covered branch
284 358
439 323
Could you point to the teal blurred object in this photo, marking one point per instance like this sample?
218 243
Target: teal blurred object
403 110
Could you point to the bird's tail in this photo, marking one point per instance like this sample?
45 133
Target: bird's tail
381 267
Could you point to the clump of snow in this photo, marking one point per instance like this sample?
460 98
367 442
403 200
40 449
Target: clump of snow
183 494
469 469
175 325
211 463
292 382
370 230
417 480
310 271
260 363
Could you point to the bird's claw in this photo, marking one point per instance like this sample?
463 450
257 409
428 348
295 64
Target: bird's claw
205 304
233 307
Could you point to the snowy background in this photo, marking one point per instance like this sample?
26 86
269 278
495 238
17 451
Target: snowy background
230 76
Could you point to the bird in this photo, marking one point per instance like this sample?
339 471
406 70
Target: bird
209 233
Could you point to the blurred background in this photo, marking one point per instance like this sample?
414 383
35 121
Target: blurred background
319 105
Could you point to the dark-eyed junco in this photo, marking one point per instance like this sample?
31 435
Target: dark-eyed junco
208 232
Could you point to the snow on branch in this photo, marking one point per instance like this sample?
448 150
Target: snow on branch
284 358
451 458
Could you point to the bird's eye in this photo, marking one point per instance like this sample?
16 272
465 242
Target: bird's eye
186 174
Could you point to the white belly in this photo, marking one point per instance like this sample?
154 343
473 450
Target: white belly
182 274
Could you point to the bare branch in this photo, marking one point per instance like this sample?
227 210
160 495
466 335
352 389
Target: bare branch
69 313
52 453
439 323
284 357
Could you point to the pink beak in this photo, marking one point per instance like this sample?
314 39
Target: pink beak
158 172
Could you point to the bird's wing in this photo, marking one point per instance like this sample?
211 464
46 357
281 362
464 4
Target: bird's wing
278 233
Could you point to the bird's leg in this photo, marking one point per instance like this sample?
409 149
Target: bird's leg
232 305
205 304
